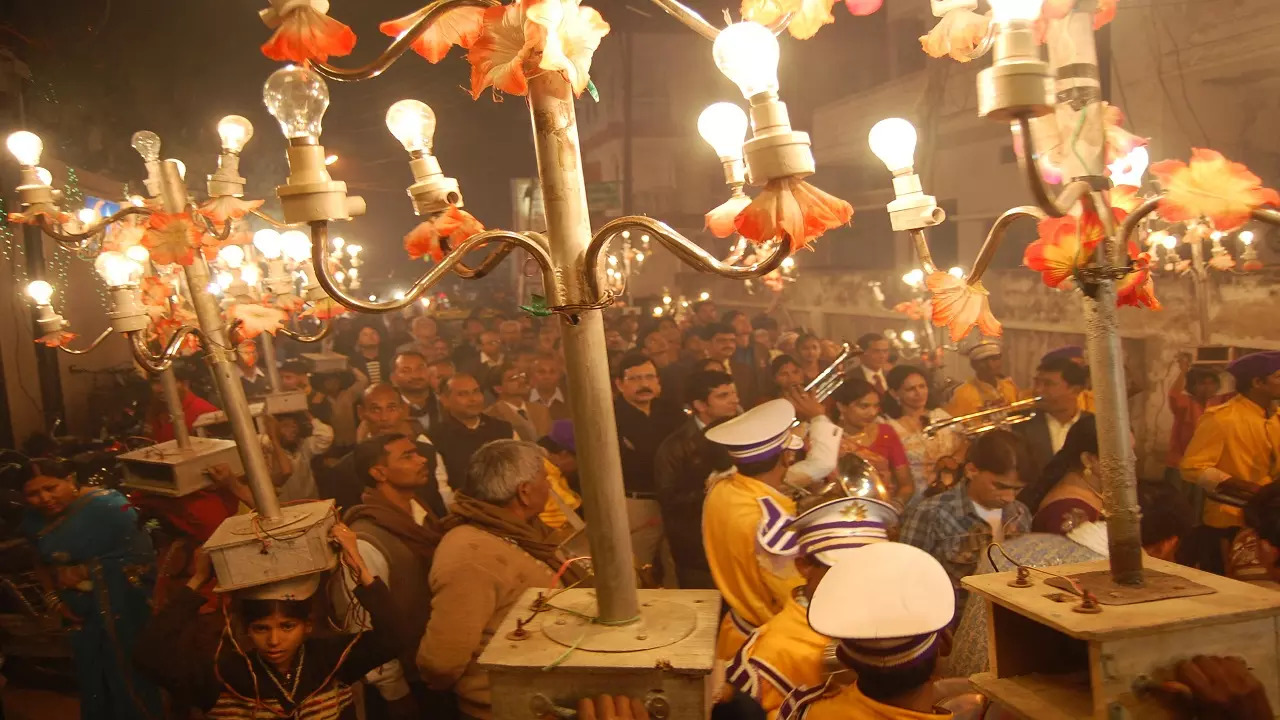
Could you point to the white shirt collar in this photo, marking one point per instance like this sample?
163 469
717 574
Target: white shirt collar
1058 430
515 408
418 512
535 396
490 360
872 374
254 375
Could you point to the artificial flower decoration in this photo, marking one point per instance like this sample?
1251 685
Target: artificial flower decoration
36 214
460 26
1137 289
288 302
520 39
571 33
793 210
1065 245
255 319
862 8
171 238
57 338
156 293
324 309
1210 186
121 236
721 220
427 239
807 16
1119 142
1125 198
959 305
1044 135
958 34
1252 264
1059 9
1221 260
220 209
303 31
913 309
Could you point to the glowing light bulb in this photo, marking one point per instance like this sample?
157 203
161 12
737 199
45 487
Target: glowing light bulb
340 276
893 140
138 253
45 176
353 250
426 302
297 98
182 167
1005 11
232 256
1156 237
613 259
250 274
413 123
147 144
338 243
657 312
268 243
88 216
224 279
747 54
214 288
724 126
955 272
25 146
137 201
40 292
373 298
296 245
1170 242
1246 237
639 257
914 278
788 263
908 336
704 296
1130 169
666 299
399 295
235 132
626 234
354 273
117 270
330 159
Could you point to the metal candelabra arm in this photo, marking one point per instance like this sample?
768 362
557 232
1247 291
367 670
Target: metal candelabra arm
995 236
430 13
1070 194
486 266
55 231
921 242
270 220
92 346
685 249
326 327
1266 215
208 226
159 363
1130 224
532 242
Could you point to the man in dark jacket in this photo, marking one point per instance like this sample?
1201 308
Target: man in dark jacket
681 469
464 427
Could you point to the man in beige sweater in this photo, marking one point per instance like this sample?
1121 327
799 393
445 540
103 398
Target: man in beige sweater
493 550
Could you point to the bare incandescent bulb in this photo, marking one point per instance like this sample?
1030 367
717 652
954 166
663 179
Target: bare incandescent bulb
747 54
1246 237
413 123
893 140
117 270
138 253
296 245
182 167
147 144
297 98
25 146
1006 11
40 292
232 256
1130 169
235 132
45 176
724 126
268 243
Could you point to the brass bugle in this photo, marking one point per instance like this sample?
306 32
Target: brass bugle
1009 414
832 377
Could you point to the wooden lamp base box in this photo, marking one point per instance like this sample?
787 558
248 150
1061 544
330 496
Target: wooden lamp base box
556 658
1050 662
166 469
249 550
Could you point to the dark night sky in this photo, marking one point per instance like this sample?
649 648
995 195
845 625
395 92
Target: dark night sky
116 66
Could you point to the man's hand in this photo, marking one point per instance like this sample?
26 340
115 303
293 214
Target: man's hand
1222 688
609 707
807 406
1184 362
203 569
1238 488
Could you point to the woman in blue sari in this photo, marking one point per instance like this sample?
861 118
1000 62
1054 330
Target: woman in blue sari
97 569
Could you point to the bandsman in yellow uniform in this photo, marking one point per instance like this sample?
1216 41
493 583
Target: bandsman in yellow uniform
887 604
1236 445
782 665
989 387
745 518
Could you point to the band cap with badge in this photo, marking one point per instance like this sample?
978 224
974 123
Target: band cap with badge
758 434
830 532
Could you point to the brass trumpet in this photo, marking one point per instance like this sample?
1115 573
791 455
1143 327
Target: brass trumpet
991 418
831 378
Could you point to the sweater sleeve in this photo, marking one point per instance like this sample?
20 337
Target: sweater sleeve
178 670
464 597
381 644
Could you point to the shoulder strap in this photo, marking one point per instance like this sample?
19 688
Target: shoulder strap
772 534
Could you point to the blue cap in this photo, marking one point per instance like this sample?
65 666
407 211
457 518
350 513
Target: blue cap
561 433
1254 365
1069 352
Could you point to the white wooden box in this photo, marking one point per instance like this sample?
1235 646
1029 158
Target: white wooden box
166 469
250 550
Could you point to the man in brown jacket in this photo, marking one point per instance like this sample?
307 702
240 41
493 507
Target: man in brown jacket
493 550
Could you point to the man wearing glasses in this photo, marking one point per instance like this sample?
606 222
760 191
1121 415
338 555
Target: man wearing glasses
510 386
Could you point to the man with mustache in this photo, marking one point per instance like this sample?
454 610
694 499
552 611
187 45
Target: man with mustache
645 419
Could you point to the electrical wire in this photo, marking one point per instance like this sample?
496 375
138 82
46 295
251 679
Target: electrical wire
1079 591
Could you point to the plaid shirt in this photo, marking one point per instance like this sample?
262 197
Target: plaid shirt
949 528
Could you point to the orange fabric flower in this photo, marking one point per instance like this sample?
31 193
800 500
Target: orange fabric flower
325 309
1137 289
1210 186
498 56
171 238
861 8
807 16
256 319
1065 245
460 26
226 207
721 220
1119 142
305 33
1059 9
957 34
913 309
57 338
425 240
1125 198
791 209
570 35
959 306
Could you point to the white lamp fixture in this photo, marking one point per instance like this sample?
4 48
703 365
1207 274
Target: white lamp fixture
724 126
40 292
147 144
33 181
413 123
139 254
235 132
47 320
182 167
1018 84
1007 11
893 140
121 276
747 54
232 256
1246 237
297 98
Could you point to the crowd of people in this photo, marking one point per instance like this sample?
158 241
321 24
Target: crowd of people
450 452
